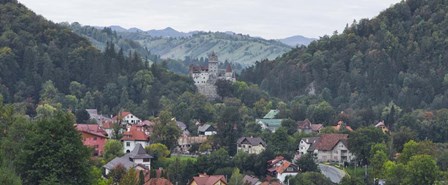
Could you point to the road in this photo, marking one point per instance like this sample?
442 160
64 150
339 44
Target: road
331 172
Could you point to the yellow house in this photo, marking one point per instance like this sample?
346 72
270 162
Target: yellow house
382 126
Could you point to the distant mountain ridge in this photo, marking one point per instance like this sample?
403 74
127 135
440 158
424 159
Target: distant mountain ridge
297 40
166 32
169 43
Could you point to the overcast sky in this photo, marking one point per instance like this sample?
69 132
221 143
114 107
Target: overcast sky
271 19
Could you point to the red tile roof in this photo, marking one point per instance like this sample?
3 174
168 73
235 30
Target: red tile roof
108 125
134 134
93 129
209 179
228 68
327 142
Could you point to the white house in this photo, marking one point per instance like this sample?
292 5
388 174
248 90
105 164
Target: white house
127 118
206 130
331 147
281 168
138 158
133 137
304 145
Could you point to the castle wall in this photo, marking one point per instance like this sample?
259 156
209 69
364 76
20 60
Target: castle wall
208 90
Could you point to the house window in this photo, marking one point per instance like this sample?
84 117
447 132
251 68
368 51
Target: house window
94 138
96 146
128 143
146 160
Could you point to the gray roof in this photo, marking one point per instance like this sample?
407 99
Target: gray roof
310 140
124 160
183 128
205 127
251 180
137 153
181 125
254 141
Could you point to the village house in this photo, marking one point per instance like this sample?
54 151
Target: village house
382 126
251 145
183 128
184 143
269 121
331 147
304 145
133 137
99 119
341 125
93 136
108 126
204 179
206 130
251 180
281 168
146 126
307 127
126 118
138 159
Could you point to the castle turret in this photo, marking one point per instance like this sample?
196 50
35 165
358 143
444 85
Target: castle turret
213 64
229 72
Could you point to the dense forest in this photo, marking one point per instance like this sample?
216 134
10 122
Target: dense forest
397 58
42 62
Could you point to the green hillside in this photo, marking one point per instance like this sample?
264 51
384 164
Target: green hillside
235 48
45 63
392 68
398 56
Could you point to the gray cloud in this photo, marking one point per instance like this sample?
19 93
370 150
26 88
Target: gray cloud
266 18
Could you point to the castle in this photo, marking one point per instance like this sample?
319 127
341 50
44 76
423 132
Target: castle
205 77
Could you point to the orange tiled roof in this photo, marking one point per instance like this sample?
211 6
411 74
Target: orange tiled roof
134 134
209 179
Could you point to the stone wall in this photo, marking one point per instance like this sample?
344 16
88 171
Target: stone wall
208 90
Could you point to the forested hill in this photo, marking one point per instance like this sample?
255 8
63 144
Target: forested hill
400 55
235 48
45 63
99 37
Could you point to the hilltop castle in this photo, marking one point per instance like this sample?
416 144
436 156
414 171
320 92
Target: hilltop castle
205 77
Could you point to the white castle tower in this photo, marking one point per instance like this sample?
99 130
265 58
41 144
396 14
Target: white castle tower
213 64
